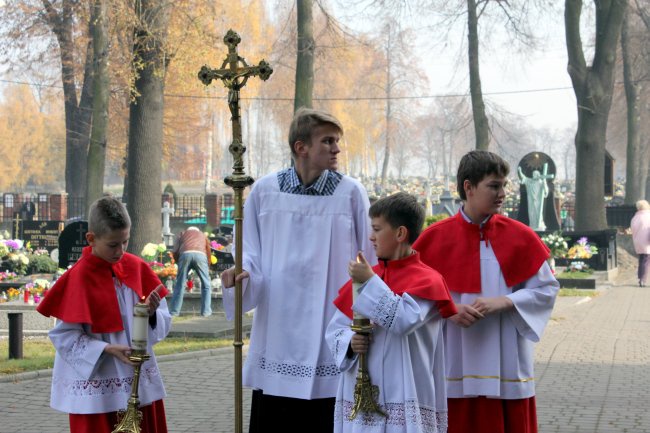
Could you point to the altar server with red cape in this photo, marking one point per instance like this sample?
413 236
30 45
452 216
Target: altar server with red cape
93 302
406 301
504 290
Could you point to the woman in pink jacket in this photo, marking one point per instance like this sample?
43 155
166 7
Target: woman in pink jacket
641 237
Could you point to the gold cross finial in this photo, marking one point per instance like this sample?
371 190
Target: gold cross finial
234 73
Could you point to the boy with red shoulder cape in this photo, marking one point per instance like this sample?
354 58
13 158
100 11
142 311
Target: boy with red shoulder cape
406 301
504 289
93 302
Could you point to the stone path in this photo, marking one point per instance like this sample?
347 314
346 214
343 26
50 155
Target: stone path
592 369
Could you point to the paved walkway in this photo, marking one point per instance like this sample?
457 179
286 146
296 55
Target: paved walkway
592 368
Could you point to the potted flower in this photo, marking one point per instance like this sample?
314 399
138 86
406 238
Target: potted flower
558 246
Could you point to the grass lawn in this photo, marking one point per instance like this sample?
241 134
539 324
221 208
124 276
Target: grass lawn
580 275
38 353
578 292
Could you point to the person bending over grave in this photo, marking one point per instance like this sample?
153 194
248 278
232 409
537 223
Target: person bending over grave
192 251
93 302
301 227
504 290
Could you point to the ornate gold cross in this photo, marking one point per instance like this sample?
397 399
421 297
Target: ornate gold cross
234 74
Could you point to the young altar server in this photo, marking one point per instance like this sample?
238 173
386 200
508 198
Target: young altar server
504 290
301 226
406 301
94 302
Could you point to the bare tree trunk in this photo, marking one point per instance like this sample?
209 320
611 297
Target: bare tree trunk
637 161
146 123
305 60
481 126
593 86
97 145
77 113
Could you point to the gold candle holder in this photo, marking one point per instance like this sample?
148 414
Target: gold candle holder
365 393
129 420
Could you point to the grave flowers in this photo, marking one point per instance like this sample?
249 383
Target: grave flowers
582 249
556 243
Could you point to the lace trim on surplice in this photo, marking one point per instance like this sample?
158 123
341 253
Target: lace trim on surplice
428 420
109 385
296 370
339 344
385 310
76 353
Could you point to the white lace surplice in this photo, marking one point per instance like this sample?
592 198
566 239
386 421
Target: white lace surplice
405 361
297 249
85 380
494 358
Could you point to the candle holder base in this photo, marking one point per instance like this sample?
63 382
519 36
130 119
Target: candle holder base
365 393
129 420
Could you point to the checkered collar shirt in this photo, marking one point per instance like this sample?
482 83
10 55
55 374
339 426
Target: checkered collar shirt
324 185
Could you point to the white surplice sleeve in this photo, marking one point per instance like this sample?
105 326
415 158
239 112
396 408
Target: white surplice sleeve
338 336
81 352
533 301
361 208
399 315
253 286
163 323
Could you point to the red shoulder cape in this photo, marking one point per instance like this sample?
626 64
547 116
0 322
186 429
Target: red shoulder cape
85 293
452 247
407 275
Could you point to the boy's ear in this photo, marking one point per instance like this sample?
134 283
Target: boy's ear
402 234
300 147
467 185
90 237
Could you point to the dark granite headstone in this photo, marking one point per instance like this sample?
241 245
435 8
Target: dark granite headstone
225 260
529 163
225 230
71 242
42 234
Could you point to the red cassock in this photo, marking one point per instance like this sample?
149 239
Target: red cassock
452 247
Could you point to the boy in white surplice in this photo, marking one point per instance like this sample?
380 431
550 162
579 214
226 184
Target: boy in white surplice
406 301
301 226
93 302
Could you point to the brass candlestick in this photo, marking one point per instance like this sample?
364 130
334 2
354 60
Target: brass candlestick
365 393
129 420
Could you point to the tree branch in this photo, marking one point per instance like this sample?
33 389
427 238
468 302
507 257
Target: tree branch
577 67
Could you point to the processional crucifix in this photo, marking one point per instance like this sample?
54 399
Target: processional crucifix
234 73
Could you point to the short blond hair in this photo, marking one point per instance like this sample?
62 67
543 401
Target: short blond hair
642 205
303 123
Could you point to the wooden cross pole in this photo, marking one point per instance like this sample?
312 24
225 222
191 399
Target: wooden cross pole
234 73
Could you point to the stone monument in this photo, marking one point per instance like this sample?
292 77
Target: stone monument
167 235
536 192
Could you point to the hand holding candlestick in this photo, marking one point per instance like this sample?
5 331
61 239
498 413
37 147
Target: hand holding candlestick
131 418
365 393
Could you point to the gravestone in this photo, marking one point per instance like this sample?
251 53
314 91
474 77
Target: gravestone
42 234
225 260
71 243
536 161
